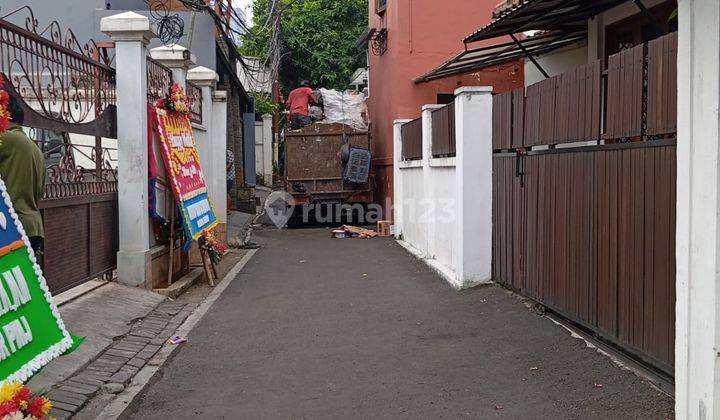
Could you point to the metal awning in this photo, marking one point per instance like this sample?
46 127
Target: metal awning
560 22
482 57
517 16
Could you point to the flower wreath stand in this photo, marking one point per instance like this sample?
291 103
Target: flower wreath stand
182 163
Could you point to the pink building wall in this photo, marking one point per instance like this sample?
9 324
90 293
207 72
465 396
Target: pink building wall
422 34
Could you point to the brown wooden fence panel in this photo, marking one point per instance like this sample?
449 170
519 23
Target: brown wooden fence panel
546 128
518 117
624 94
103 235
590 234
443 131
577 104
662 85
81 239
540 113
606 184
412 140
509 119
646 261
507 208
566 95
532 115
502 121
558 254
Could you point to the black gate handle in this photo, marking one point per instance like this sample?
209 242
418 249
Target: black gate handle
520 166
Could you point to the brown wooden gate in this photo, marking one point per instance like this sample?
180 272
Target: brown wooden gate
67 92
589 231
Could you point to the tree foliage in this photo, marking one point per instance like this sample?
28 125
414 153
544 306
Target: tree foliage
263 103
318 40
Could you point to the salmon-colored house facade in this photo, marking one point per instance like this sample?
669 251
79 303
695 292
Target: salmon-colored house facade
407 39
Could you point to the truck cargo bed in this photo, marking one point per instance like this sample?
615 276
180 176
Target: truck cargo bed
314 164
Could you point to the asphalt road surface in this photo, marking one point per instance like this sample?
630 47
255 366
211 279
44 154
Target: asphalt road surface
321 328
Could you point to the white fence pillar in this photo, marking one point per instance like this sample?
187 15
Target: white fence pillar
429 202
267 149
218 159
131 33
473 144
397 210
175 57
697 327
210 153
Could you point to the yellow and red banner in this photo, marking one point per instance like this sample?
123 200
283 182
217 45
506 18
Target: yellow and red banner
182 162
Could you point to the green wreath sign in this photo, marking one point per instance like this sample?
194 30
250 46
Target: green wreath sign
31 330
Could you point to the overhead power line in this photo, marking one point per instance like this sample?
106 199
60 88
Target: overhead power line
171 28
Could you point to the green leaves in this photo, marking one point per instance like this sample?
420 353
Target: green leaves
318 39
263 103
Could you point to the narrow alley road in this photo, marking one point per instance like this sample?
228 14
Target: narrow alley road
316 327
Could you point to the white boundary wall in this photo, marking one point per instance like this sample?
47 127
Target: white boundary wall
697 328
131 33
264 149
442 210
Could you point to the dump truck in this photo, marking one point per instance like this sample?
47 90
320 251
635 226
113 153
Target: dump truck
328 163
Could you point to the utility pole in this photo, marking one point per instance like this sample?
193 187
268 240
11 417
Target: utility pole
275 93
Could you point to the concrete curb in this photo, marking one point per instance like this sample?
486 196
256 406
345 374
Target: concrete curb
242 230
179 287
655 380
263 188
124 400
78 291
445 272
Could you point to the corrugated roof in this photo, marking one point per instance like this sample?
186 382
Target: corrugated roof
479 58
560 22
516 16
504 5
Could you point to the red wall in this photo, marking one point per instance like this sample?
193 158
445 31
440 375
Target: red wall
422 34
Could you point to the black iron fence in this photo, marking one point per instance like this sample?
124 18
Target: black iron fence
159 80
194 94
67 92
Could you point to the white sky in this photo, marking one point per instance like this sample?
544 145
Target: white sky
246 6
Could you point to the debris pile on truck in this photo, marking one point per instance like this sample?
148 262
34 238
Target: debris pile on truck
346 107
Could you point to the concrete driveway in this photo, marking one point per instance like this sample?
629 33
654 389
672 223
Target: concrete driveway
316 327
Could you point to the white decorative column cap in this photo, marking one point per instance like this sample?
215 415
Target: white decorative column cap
173 56
431 107
128 26
219 96
202 76
473 89
401 121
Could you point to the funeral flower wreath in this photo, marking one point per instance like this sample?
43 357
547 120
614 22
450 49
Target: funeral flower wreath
16 400
176 101
4 105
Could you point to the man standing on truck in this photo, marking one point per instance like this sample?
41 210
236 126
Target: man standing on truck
297 105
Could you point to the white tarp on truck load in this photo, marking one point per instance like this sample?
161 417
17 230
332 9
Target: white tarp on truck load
344 107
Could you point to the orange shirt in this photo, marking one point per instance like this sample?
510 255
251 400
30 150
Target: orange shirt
299 100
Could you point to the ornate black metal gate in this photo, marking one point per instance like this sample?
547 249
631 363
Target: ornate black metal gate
67 91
